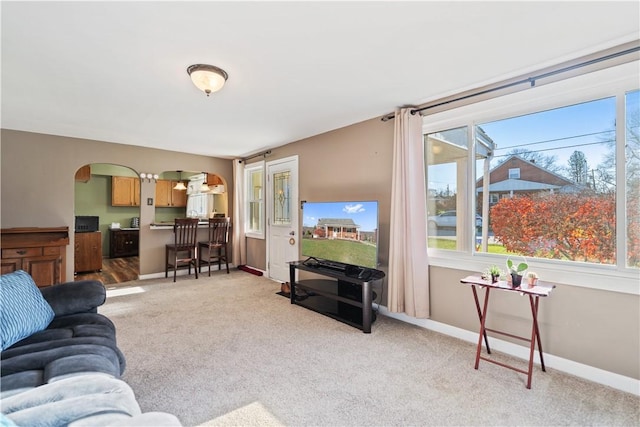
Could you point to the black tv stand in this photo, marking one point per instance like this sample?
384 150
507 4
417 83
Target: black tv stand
346 296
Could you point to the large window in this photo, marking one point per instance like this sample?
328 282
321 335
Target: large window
545 174
561 203
254 215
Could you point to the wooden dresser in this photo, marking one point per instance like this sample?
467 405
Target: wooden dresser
40 251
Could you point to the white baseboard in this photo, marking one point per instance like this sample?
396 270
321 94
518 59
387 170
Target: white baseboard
617 381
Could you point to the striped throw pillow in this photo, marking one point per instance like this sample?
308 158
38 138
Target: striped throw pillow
23 309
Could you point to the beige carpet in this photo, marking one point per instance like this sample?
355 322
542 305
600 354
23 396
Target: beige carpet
226 350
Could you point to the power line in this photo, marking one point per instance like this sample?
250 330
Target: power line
558 148
556 139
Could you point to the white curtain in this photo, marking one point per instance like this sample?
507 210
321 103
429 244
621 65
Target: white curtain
238 247
408 281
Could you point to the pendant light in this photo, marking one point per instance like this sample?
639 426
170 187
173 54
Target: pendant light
180 185
204 188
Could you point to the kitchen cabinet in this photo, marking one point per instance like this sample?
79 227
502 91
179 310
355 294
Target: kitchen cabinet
123 242
213 179
39 251
125 191
84 174
88 252
166 196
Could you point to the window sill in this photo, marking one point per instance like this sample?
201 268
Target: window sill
592 276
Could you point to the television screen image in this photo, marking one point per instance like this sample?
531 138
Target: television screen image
344 232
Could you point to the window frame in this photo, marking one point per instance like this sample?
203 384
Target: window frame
248 196
615 81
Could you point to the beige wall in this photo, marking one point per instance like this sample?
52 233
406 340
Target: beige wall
351 163
588 326
37 183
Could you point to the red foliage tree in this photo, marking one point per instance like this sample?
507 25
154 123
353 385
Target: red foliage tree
633 229
577 227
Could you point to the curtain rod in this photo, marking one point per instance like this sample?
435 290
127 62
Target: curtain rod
529 80
263 154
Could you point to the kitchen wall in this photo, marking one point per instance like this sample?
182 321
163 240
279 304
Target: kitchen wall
37 183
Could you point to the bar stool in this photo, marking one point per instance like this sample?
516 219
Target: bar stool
184 247
216 248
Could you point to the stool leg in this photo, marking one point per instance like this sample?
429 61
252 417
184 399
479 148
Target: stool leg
195 260
175 264
226 257
209 260
166 263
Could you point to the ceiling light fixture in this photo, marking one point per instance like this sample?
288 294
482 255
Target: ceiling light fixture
207 78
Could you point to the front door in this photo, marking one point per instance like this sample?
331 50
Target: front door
282 217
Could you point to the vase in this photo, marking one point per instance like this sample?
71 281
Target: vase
516 280
495 278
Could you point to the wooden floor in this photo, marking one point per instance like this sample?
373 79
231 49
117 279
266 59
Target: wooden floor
114 270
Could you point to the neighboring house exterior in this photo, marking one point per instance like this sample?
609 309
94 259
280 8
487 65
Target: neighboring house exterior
517 176
337 228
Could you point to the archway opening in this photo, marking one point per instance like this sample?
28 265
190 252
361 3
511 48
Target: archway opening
107 213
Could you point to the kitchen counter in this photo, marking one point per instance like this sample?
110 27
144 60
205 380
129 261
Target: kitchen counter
168 225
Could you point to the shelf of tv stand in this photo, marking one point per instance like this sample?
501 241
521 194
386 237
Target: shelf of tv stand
345 298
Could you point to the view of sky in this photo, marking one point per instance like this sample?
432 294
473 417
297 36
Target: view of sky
558 132
363 213
584 127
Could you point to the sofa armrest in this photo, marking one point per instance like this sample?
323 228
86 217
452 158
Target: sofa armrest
83 296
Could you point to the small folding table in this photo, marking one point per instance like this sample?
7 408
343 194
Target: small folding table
534 293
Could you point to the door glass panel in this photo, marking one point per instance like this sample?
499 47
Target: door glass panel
281 198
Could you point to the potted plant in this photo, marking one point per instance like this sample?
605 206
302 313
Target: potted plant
532 277
516 271
494 272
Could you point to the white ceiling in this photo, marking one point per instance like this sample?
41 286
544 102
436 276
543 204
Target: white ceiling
116 71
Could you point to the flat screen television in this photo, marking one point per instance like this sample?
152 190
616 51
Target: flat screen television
343 232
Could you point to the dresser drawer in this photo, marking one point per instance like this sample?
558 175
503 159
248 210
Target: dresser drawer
51 250
21 252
